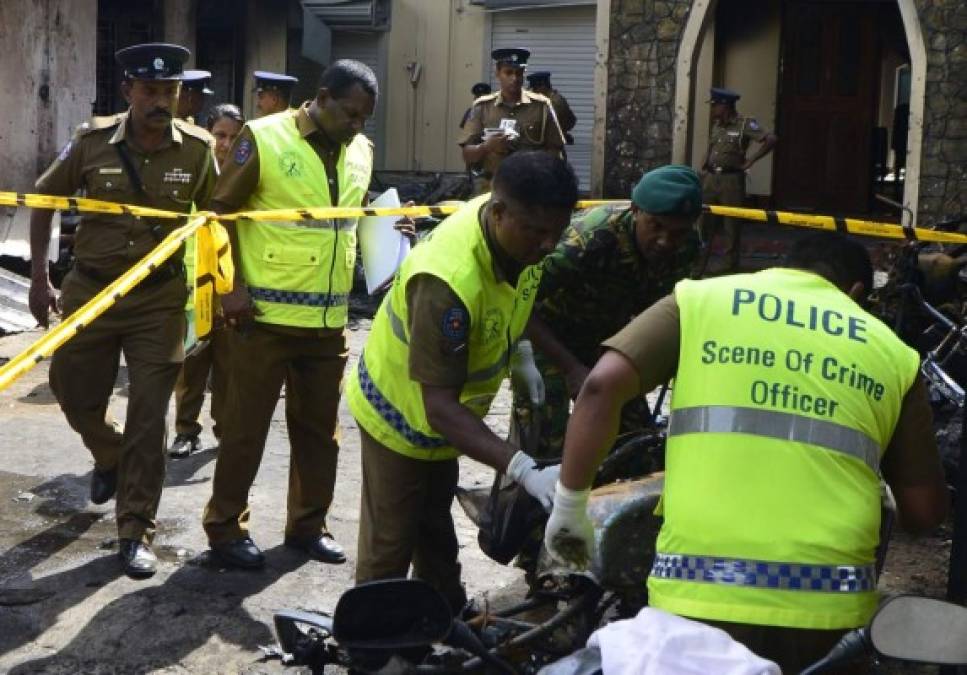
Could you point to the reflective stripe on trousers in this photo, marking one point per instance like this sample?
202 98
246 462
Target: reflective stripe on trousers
765 574
778 425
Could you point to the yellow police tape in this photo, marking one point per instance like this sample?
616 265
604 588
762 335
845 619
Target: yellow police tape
97 305
46 345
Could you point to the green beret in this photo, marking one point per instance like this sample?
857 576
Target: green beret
673 189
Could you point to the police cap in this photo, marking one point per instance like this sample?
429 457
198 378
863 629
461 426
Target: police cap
512 56
152 61
197 79
539 77
722 95
670 190
265 80
480 89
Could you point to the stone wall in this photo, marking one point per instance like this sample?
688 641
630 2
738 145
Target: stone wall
641 86
645 35
943 169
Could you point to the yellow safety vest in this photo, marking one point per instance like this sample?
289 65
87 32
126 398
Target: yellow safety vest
299 273
381 395
786 396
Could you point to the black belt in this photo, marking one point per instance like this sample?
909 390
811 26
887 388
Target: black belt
166 272
722 169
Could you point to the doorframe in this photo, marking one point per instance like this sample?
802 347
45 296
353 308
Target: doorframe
698 19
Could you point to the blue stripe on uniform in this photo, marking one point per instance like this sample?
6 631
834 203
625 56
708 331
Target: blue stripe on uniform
298 297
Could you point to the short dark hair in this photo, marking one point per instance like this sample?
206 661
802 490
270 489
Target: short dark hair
340 77
229 110
838 258
537 178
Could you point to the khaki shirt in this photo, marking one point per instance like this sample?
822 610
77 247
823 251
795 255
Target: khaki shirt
533 117
651 342
240 174
437 358
176 176
728 142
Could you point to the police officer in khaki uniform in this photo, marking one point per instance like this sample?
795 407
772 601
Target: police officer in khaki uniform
725 166
273 92
510 120
540 83
142 156
288 308
195 86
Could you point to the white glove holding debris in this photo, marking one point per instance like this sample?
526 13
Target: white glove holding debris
569 536
539 482
524 375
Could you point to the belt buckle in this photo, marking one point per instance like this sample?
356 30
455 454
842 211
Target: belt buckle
719 169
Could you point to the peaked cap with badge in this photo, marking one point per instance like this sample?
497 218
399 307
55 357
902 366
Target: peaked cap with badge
197 79
723 95
153 61
512 56
539 77
265 80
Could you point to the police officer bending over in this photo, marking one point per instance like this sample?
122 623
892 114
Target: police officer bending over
772 488
435 358
142 156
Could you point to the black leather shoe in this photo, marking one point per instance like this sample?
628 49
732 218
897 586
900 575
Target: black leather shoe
184 445
137 559
103 485
241 553
322 547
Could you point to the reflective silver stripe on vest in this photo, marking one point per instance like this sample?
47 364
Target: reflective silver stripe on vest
395 322
316 223
765 574
284 297
779 425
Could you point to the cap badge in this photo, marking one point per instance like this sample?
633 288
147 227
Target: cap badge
159 63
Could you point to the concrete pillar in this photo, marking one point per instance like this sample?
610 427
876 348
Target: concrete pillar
48 69
180 25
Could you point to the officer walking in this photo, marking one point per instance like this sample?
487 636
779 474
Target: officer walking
143 156
610 265
510 120
539 82
273 92
289 307
195 86
725 167
434 360
789 401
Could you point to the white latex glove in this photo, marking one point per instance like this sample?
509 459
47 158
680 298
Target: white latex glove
525 376
539 482
569 536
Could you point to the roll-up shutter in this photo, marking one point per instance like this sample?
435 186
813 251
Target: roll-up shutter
561 40
362 47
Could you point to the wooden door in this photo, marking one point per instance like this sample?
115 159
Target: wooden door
827 100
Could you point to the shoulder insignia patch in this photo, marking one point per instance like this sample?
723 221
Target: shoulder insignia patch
243 151
752 124
455 323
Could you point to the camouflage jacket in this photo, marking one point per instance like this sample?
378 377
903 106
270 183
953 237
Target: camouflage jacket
596 281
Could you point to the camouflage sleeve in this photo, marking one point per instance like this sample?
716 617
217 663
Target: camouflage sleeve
573 252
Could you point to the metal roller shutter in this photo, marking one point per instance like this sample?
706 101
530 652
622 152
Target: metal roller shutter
362 47
561 40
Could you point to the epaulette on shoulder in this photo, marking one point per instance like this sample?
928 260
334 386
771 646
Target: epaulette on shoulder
194 131
98 123
538 97
486 97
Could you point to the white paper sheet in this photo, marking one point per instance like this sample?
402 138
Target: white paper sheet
382 247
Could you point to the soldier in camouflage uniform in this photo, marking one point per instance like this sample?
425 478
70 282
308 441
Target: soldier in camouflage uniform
610 265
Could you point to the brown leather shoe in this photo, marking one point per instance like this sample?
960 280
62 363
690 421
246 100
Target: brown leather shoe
321 547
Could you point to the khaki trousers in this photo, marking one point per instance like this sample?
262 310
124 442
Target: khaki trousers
311 367
723 189
405 519
193 380
148 327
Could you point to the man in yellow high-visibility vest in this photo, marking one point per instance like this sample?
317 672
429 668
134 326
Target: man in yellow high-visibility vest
789 399
437 353
289 307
